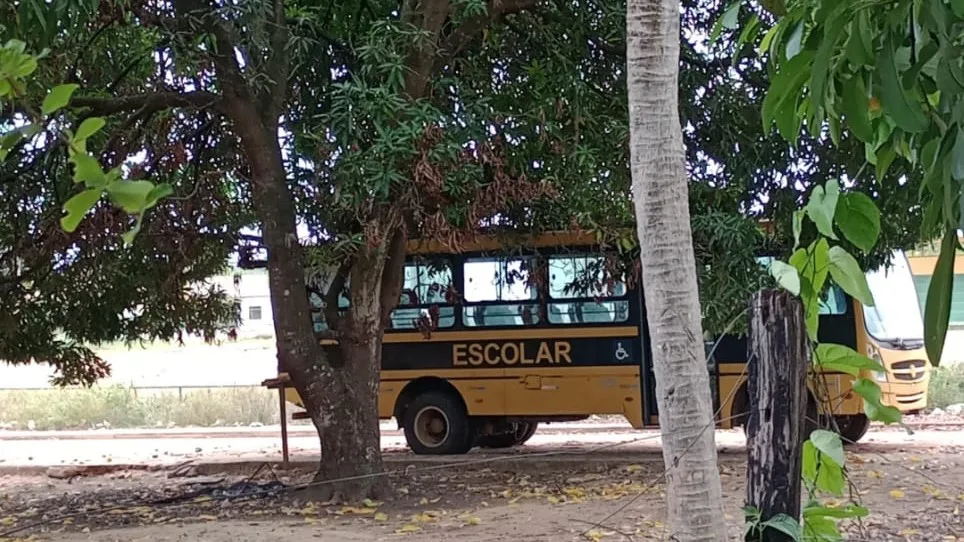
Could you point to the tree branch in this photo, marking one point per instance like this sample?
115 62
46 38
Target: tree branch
334 290
463 35
278 66
393 276
147 103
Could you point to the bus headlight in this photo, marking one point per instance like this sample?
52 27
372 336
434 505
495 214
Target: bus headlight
874 354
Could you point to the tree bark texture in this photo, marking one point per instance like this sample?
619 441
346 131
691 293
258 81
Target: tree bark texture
778 357
340 398
693 491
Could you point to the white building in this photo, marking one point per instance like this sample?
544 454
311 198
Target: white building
250 287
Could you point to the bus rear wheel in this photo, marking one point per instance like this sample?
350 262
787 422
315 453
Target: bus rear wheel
521 433
436 424
852 428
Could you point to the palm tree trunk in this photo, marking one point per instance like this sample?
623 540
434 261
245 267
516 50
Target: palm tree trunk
693 492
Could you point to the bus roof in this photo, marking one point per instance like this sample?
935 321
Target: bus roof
496 242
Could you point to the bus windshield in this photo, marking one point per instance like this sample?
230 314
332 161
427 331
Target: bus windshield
895 316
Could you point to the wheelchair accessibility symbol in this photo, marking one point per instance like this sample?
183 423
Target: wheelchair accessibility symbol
620 353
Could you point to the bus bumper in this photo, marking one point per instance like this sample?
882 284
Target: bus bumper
905 396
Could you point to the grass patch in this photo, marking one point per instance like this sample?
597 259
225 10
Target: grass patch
122 407
946 386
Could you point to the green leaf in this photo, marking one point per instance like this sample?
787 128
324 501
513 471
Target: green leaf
77 206
128 236
748 35
820 260
87 170
850 510
858 219
15 45
164 189
797 227
885 157
957 6
957 158
906 112
88 128
131 196
768 38
948 76
820 472
28 65
58 98
785 524
937 308
785 87
859 46
856 107
789 122
813 265
837 357
847 274
823 205
873 408
821 529
795 40
786 276
9 141
833 29
829 445
729 20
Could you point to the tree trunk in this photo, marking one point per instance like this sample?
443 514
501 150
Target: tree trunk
693 491
355 453
341 399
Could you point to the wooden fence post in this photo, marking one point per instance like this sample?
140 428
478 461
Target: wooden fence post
778 359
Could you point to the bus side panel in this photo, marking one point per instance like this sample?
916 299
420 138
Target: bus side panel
732 378
483 394
575 391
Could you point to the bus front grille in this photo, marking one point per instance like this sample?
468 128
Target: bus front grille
910 370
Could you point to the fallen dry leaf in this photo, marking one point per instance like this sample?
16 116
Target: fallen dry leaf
896 494
358 511
407 529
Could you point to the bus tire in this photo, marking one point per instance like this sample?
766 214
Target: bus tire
522 433
852 428
436 424
524 436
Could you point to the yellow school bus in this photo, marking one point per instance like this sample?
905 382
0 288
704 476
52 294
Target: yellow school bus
491 341
894 332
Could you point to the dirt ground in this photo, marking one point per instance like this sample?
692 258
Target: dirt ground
914 495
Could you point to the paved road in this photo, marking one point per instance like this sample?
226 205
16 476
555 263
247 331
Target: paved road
176 446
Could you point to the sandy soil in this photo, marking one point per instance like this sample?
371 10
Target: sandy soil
914 495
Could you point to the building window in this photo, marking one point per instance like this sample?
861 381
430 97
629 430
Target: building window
254 312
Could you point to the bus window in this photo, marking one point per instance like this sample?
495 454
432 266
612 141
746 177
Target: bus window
504 281
895 316
317 306
834 301
425 284
581 281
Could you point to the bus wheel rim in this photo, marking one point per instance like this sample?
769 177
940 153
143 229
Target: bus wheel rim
431 426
